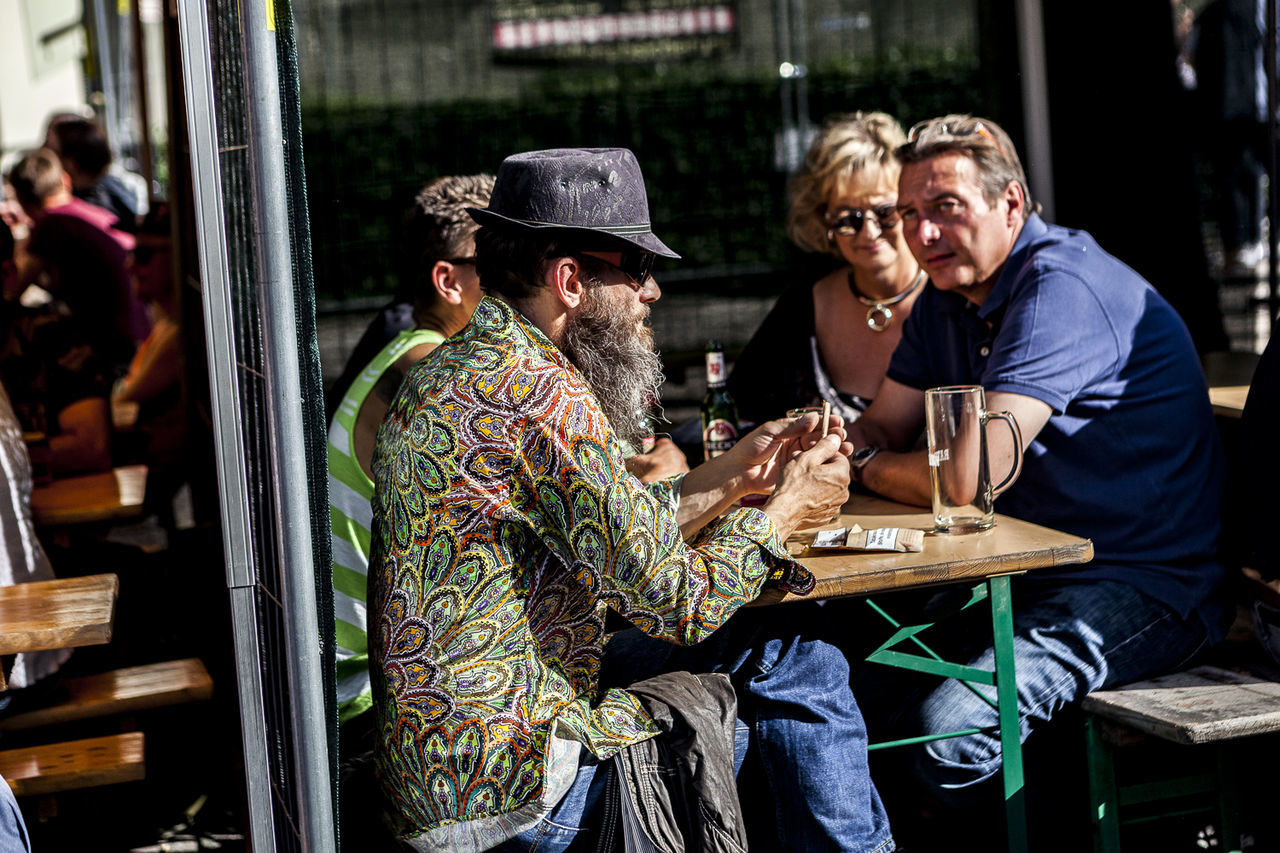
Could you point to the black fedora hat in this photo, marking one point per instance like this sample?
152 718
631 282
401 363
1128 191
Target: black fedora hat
597 191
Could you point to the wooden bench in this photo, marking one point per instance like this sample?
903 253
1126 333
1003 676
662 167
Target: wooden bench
55 767
1205 706
121 691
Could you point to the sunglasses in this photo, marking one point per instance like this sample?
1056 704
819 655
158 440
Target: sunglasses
848 221
944 129
635 263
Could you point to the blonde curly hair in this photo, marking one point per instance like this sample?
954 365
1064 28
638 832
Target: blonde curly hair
849 144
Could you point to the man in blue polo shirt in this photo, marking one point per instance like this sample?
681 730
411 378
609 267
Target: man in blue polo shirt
1119 440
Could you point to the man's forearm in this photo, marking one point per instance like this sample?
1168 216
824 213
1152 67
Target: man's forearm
903 477
707 491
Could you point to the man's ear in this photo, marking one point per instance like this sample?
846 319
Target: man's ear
565 278
445 280
1017 202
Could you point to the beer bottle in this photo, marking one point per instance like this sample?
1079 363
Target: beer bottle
719 413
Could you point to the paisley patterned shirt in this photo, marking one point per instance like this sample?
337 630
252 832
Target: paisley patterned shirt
505 524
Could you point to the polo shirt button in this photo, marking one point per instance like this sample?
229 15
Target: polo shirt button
985 351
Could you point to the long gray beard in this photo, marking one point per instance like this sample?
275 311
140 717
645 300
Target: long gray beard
618 361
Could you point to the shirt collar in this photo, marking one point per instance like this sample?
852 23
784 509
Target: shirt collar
500 317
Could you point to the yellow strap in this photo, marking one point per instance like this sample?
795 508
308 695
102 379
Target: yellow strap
271 15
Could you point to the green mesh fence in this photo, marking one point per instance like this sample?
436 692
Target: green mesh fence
235 144
396 93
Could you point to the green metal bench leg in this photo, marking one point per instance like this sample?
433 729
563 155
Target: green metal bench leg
1007 705
1104 798
1229 799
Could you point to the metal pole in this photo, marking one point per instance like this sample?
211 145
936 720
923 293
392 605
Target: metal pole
1035 103
800 38
106 68
1273 185
215 277
144 118
287 427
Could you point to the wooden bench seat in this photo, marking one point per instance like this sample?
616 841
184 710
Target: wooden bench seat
1201 705
88 763
1206 706
121 691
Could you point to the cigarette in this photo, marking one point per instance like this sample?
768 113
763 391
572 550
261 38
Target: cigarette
826 415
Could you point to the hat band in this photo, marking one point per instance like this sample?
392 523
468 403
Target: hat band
619 230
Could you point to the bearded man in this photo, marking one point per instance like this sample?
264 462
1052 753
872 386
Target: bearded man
506 526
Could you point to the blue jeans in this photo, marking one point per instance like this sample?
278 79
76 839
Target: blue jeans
1070 638
796 709
807 733
574 823
13 832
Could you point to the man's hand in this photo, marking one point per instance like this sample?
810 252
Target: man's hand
812 488
664 460
762 454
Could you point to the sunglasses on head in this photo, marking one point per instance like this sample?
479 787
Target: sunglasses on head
944 129
848 221
636 263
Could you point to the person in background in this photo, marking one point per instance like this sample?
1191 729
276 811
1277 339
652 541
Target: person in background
22 558
59 385
1260 503
1231 91
831 340
1119 439
439 234
82 147
148 409
76 253
506 526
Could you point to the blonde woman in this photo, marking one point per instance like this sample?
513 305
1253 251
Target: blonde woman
832 339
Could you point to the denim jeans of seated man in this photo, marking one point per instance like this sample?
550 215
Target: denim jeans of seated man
807 735
1070 638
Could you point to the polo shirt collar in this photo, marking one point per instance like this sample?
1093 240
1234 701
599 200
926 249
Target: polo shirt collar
1032 230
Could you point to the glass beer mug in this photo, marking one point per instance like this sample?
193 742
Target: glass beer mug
956 418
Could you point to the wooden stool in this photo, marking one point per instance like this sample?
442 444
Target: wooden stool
120 691
1204 705
87 763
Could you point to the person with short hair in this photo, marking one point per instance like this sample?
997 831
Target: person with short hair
506 526
831 340
1119 442
77 254
81 145
438 234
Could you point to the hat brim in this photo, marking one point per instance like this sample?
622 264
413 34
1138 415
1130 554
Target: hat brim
642 239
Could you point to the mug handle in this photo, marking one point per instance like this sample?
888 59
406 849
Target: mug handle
1017 447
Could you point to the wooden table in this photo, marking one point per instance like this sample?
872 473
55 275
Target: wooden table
57 614
1010 547
1228 400
88 498
986 560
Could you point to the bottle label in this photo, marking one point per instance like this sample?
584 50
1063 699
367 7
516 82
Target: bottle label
715 368
717 437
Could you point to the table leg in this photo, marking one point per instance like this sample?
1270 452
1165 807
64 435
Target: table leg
1007 705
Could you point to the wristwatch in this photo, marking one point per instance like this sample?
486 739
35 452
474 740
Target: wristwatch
859 460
